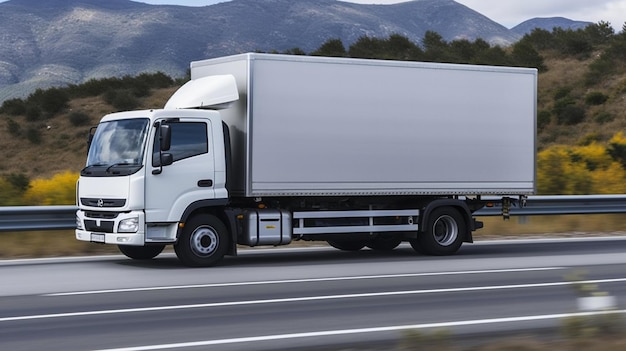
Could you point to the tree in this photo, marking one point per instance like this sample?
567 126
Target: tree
493 56
401 48
525 55
50 101
599 33
540 39
462 51
435 48
13 107
366 47
331 48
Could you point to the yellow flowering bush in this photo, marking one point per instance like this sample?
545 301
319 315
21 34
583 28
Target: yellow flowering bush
58 190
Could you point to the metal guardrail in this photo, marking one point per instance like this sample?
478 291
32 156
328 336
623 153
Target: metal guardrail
24 218
562 205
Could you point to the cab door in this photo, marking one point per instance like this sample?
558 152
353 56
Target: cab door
189 178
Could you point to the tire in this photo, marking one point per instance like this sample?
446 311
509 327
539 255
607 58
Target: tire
141 252
203 242
384 242
442 234
347 245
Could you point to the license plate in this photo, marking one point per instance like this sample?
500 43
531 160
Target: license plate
97 238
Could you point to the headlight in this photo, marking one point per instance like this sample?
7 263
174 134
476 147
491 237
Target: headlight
128 225
79 224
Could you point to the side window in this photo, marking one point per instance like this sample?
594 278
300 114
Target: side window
188 139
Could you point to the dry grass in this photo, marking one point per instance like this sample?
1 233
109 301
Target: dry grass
570 72
48 244
571 225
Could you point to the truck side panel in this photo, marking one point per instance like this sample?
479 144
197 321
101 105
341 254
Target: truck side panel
360 127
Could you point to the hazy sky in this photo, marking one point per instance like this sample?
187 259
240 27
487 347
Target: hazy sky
509 13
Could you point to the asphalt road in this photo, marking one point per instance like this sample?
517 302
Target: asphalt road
307 299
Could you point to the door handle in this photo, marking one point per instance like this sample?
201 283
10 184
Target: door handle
205 183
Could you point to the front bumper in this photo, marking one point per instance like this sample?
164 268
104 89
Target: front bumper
104 229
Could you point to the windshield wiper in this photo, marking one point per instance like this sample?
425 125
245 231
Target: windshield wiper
93 165
118 164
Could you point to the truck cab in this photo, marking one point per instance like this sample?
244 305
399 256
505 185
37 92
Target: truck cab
146 170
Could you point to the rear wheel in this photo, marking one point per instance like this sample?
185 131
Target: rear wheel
442 234
384 242
203 242
141 252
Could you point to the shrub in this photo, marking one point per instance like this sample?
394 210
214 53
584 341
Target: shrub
50 101
562 103
121 99
589 139
557 173
617 148
604 117
58 190
600 68
33 113
140 89
595 98
562 92
155 80
14 107
19 181
570 115
14 128
33 135
9 195
79 119
543 119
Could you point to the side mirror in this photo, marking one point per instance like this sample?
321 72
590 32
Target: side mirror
166 159
165 136
92 132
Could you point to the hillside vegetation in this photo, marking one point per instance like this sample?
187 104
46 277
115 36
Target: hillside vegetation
581 104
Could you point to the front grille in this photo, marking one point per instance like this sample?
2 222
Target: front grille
101 215
94 202
104 227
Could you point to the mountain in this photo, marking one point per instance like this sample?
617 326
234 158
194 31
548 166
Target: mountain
56 42
548 24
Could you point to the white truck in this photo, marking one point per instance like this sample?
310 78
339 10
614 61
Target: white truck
262 149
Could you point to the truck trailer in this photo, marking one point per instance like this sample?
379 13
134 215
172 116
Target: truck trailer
264 149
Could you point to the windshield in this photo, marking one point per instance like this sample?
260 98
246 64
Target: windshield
118 143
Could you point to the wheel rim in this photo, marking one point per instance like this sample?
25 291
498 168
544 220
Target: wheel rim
445 230
204 241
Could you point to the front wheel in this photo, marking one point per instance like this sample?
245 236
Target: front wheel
141 252
203 242
442 234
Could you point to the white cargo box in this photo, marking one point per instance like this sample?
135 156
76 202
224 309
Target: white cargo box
334 126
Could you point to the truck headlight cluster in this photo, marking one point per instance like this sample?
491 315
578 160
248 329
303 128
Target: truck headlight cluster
79 224
128 225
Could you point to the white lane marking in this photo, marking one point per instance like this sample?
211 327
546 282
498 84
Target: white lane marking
300 299
306 280
361 331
